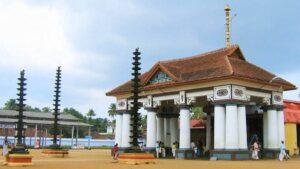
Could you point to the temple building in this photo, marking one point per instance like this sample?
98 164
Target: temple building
242 102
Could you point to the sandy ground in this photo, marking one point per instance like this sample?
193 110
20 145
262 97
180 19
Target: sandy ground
100 159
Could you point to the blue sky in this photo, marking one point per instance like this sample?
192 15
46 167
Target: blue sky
93 41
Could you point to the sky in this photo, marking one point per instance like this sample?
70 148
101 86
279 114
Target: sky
93 41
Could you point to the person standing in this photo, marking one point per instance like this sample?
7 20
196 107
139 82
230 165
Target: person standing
174 147
255 150
5 147
282 154
157 149
115 151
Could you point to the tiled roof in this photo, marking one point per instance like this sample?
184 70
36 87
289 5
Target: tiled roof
291 111
9 116
221 63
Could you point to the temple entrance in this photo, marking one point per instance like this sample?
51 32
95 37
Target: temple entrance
254 129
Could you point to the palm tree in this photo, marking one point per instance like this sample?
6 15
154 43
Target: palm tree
90 114
112 111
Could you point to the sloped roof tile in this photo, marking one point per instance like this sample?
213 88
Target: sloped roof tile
220 63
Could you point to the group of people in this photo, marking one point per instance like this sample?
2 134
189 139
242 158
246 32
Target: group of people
198 148
160 149
256 149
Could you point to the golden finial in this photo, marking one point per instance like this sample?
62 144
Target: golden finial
227 12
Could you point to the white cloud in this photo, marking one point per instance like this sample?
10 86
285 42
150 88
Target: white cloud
34 37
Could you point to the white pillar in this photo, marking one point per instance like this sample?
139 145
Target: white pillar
174 129
185 132
219 127
76 136
35 133
72 134
242 127
46 136
265 129
281 132
208 131
151 129
272 129
167 137
231 137
160 129
126 130
118 132
89 139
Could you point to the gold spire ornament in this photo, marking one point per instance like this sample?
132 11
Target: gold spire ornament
227 12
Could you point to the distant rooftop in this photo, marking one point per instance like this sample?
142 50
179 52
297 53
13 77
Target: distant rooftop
32 118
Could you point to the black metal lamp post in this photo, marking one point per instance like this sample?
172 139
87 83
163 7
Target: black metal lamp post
20 146
56 108
136 119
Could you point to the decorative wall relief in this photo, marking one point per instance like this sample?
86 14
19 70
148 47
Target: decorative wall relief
238 92
267 100
156 104
160 77
190 100
277 98
121 104
149 101
182 97
222 92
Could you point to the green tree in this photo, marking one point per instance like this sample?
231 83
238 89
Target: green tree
197 113
11 104
46 109
73 112
90 114
32 109
112 111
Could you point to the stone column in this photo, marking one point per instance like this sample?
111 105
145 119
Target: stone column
242 127
118 132
167 132
160 129
265 129
231 125
219 127
280 122
174 129
126 130
185 132
272 128
151 128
